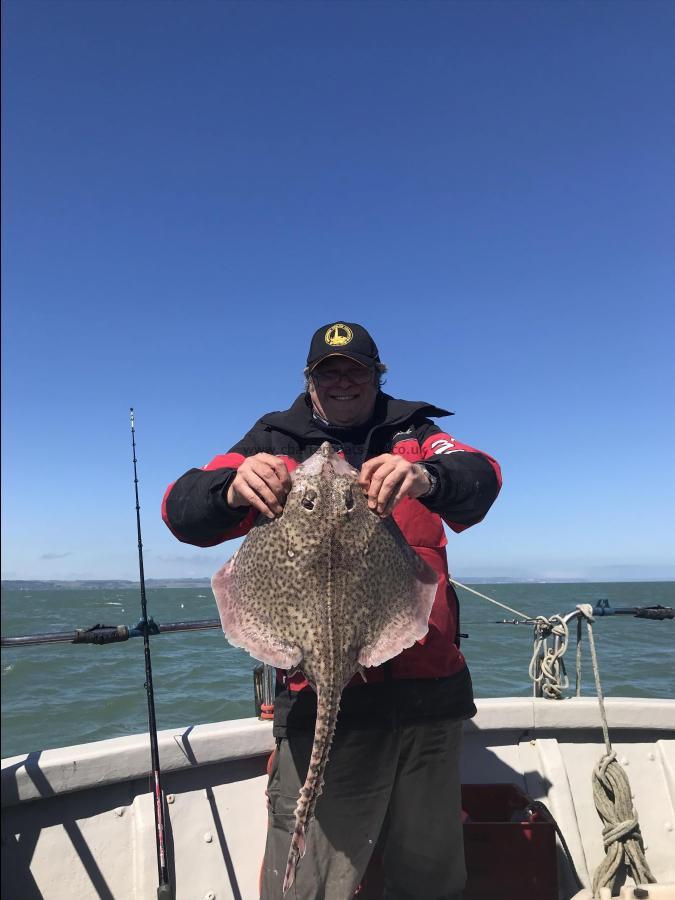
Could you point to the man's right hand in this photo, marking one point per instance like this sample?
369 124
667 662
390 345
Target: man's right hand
262 481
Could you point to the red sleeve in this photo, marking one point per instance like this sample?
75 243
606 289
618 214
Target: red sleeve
469 479
195 509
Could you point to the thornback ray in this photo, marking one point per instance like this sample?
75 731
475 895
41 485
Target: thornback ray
329 587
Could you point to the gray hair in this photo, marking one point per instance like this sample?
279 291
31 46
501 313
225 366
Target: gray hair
380 369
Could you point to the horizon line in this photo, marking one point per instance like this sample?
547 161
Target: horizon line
520 579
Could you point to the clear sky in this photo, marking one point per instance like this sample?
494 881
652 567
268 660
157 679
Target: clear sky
191 188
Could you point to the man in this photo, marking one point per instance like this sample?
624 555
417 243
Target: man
393 775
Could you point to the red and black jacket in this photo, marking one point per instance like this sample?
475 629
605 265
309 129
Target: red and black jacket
434 669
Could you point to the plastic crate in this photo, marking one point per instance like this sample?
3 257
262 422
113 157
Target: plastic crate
505 859
507 855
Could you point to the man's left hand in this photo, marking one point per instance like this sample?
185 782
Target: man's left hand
388 478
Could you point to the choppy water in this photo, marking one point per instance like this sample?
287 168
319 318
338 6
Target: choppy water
61 694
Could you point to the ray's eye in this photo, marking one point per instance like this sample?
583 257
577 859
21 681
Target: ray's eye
308 500
349 499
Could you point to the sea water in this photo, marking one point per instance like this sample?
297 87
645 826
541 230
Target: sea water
56 695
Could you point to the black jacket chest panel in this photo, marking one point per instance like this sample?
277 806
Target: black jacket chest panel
301 448
295 433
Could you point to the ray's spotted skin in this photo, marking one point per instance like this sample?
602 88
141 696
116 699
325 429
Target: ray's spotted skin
330 588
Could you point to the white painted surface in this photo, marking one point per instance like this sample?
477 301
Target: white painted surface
78 822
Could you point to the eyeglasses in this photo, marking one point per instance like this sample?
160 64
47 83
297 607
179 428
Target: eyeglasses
331 377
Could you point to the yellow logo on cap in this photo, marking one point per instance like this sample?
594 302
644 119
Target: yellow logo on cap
338 335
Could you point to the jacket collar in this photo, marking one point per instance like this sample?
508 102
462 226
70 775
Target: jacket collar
299 422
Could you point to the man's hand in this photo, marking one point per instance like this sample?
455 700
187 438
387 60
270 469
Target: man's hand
262 481
388 478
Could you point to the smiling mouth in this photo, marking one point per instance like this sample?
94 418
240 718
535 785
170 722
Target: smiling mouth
343 397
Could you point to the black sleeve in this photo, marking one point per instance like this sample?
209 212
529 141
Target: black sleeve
468 479
195 508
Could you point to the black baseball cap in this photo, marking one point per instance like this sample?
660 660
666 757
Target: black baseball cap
342 339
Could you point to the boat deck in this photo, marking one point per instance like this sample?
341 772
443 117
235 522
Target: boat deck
78 822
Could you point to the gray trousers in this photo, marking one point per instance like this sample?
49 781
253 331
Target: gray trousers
397 790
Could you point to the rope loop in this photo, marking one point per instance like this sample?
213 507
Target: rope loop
611 789
621 832
586 611
547 669
612 796
602 766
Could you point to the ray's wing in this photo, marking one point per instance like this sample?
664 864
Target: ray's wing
244 625
266 596
399 591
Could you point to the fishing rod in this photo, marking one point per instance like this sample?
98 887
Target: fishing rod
115 634
655 613
108 634
604 608
601 608
164 891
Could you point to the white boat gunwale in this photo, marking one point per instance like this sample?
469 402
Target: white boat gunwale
77 810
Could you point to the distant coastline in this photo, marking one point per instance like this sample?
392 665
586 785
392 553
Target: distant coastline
100 585
159 583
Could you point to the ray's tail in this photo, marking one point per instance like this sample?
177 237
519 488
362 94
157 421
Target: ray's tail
327 708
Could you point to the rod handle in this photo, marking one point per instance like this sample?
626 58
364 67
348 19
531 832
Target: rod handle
101 634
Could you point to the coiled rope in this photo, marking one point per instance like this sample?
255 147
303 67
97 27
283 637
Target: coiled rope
611 789
547 667
612 796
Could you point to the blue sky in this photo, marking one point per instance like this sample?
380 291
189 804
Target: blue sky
191 188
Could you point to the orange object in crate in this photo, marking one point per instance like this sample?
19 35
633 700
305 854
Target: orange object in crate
509 854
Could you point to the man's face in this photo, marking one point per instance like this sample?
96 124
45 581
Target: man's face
342 391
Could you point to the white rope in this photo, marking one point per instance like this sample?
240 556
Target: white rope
523 616
578 666
547 667
612 796
611 788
